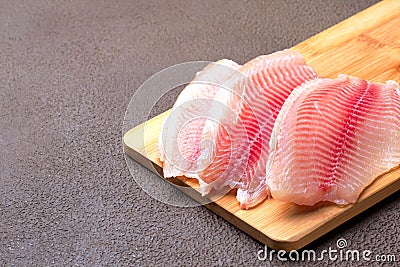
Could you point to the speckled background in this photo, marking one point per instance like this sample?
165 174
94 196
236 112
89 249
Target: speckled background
67 72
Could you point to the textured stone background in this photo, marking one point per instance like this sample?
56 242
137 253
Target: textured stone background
67 72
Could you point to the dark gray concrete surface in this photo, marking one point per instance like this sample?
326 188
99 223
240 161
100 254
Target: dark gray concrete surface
67 72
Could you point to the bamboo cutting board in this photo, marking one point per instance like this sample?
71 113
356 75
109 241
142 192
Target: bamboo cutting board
366 45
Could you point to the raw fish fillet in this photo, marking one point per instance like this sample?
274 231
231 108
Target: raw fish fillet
180 140
244 126
332 138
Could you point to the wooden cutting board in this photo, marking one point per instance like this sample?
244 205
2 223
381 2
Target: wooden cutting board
366 45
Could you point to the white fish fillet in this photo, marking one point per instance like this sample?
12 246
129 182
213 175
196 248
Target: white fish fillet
180 141
332 138
245 120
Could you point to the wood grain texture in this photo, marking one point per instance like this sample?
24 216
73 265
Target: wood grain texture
366 45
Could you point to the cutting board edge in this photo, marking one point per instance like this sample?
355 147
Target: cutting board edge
295 242
354 31
212 206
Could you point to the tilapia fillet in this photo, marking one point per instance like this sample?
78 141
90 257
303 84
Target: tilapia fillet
179 144
243 131
332 138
